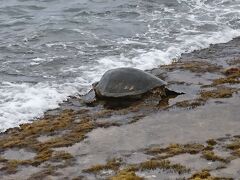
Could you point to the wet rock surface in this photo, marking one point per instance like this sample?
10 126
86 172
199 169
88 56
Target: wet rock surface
194 135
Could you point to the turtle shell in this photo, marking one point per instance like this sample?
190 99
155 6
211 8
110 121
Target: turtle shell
126 82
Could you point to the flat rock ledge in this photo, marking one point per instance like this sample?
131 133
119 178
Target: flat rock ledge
191 136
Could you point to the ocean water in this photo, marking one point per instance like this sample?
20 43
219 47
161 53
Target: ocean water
51 49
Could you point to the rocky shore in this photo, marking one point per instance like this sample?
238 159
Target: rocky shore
194 135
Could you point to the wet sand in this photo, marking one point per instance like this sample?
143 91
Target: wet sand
194 135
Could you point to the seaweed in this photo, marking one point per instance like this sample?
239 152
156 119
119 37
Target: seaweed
26 136
193 66
126 175
235 147
205 175
112 164
211 142
230 80
190 103
50 170
163 164
211 156
220 92
176 149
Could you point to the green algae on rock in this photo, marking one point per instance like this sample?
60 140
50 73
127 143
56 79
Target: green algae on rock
205 175
220 92
211 142
210 155
175 149
164 165
190 103
126 175
112 164
27 135
193 66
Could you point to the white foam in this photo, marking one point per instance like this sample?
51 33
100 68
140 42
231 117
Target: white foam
37 61
64 45
22 102
153 58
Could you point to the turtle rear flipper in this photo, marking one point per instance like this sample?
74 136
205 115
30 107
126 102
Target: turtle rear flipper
170 92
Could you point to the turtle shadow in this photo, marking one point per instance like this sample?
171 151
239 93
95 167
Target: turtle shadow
119 104
153 98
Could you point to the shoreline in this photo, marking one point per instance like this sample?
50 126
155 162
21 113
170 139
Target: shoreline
191 124
40 113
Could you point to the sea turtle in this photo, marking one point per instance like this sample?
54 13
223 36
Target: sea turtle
127 83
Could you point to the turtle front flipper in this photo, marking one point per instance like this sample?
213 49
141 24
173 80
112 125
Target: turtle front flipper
89 98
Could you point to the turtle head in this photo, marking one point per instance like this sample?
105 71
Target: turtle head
94 85
95 89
